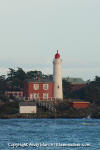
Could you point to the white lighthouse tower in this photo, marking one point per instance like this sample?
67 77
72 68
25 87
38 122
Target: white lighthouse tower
57 77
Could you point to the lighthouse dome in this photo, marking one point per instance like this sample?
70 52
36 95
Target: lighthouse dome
57 55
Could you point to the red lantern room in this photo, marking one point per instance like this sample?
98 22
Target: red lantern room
57 55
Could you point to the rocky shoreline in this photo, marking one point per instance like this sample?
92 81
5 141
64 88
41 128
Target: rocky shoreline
11 111
49 115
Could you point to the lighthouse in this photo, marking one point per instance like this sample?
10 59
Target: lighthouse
57 77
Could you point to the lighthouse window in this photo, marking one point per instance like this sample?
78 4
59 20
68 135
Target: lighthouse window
36 86
45 86
45 95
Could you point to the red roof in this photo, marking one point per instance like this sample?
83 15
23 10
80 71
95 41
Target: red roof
57 55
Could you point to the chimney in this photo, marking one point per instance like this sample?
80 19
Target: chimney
39 78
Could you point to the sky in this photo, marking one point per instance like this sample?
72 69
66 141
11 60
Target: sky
31 31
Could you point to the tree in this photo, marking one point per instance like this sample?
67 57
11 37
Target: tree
15 78
67 87
3 84
33 74
11 74
20 76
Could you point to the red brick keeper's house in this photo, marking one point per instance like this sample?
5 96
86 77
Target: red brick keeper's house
38 89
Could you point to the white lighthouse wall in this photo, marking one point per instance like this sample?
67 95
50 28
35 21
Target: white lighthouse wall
57 78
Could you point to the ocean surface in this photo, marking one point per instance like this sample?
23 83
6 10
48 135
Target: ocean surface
49 134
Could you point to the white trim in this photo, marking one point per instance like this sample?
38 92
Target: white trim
36 86
45 86
36 95
45 95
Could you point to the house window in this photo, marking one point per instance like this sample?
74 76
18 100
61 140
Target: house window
45 95
36 95
36 86
45 86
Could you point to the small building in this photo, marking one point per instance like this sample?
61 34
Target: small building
77 83
27 107
79 105
15 94
77 86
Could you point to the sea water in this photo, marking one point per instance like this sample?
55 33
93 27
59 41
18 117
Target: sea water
49 134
